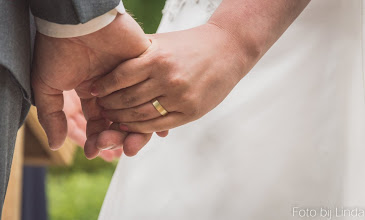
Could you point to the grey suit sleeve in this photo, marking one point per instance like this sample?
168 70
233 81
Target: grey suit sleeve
71 11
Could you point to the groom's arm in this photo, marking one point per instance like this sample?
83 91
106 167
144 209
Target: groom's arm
73 18
71 11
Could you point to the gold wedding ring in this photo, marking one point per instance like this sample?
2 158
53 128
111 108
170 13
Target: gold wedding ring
159 108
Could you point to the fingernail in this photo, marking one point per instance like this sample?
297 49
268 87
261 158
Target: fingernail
123 127
94 91
106 148
92 158
53 148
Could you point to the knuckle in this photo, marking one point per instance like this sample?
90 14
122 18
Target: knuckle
186 98
164 60
162 57
177 81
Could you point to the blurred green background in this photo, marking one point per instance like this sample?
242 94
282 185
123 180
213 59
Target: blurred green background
77 192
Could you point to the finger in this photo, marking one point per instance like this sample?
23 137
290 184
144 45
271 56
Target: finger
90 149
75 133
100 142
95 125
80 122
92 111
107 155
49 104
94 128
172 120
77 129
83 89
134 142
125 75
75 119
143 112
71 98
104 140
132 96
110 139
117 153
163 133
110 155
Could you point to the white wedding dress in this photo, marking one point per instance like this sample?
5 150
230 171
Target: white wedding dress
290 136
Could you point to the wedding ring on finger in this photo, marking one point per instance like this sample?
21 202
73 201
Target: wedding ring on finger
159 108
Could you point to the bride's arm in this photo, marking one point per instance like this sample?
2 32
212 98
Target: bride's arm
190 72
256 24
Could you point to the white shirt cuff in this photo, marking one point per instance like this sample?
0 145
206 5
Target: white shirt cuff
66 30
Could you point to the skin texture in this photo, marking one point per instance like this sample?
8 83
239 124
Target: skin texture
190 72
65 64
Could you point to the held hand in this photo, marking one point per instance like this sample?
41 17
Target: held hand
188 72
74 63
76 124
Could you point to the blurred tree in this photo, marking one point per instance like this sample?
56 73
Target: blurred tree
147 13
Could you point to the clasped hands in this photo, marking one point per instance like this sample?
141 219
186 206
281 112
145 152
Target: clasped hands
118 71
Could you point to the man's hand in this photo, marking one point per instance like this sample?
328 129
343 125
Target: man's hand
74 63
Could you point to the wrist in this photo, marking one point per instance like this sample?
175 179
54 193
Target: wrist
244 50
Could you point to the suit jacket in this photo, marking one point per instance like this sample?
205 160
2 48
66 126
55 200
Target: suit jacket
15 36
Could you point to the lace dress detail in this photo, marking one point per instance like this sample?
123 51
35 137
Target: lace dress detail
173 7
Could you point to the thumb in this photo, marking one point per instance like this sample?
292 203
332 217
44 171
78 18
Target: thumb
49 103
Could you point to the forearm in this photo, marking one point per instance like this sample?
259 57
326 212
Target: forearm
255 25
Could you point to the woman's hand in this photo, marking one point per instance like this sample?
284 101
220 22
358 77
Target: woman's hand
189 72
